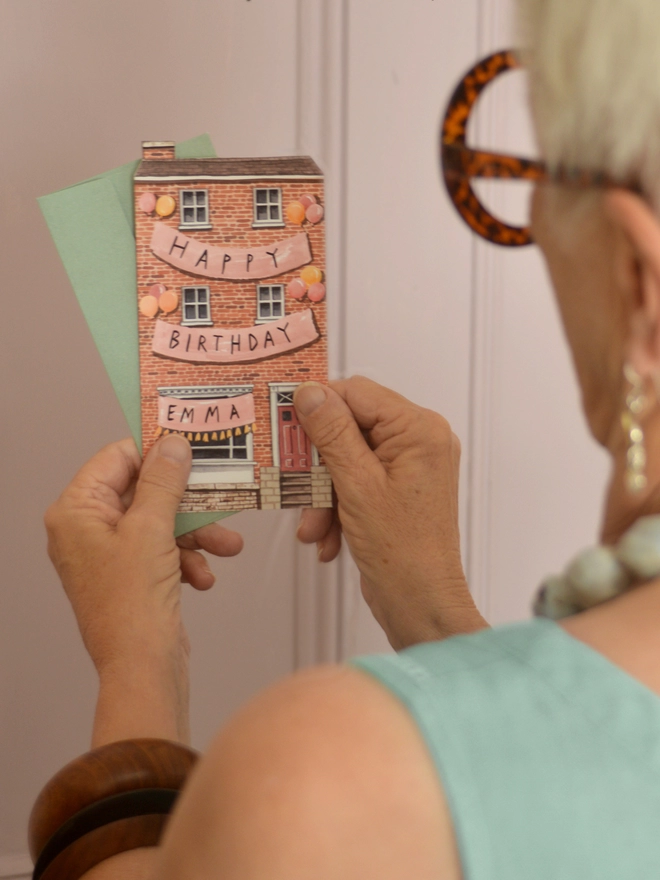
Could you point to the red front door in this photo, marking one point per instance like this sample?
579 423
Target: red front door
295 445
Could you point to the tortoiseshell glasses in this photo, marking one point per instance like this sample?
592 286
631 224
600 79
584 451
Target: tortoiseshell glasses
460 163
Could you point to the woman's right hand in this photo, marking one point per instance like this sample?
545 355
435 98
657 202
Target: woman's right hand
395 468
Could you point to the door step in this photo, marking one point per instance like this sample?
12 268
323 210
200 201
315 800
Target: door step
295 489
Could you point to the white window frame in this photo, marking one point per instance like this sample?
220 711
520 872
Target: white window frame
249 459
269 287
276 388
196 322
273 223
219 471
183 224
216 471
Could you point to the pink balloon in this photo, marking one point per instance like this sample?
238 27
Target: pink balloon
316 292
307 200
315 213
297 288
157 290
147 202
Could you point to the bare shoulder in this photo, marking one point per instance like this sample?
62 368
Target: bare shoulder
323 775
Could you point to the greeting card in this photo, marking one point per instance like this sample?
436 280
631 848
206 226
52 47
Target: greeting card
231 300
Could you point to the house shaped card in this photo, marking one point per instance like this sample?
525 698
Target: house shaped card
232 317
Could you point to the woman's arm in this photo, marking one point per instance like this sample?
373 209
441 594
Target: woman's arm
111 539
323 776
395 468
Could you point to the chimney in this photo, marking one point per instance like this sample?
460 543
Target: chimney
157 150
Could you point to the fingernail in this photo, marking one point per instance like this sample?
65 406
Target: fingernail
309 397
175 448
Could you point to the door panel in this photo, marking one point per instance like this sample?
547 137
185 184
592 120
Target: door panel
295 446
408 278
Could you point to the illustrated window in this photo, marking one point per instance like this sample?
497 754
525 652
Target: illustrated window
196 306
231 449
270 302
268 207
194 207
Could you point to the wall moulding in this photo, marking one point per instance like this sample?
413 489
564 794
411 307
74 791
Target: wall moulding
494 32
321 133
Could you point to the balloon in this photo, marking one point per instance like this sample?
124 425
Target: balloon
296 213
149 306
147 202
316 292
168 301
165 206
307 200
297 288
315 213
157 289
311 275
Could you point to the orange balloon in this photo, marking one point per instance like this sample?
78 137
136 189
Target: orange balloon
165 206
311 275
168 301
149 306
296 213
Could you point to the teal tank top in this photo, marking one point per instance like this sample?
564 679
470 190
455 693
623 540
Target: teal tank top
548 754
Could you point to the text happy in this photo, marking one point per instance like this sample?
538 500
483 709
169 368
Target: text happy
232 264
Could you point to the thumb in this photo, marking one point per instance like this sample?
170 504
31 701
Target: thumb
331 426
162 480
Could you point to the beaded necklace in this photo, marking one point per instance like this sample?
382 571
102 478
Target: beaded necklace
602 573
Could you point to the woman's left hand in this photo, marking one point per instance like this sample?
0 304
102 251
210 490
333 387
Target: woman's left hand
111 540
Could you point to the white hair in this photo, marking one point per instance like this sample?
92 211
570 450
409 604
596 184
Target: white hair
595 85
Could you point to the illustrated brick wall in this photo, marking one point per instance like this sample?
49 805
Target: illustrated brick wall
233 304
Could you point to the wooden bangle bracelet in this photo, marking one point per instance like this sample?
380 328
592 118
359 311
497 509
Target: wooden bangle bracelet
113 799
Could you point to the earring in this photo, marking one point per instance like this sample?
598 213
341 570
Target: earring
636 480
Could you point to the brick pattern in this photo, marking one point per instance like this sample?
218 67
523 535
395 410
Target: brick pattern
321 487
163 152
233 304
271 494
207 500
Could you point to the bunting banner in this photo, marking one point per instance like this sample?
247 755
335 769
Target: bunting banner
231 264
216 414
208 436
201 345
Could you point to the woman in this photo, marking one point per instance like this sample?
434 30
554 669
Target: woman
523 752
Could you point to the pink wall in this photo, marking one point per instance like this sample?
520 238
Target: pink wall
359 85
83 85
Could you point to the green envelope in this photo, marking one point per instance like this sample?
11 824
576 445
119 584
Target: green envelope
92 225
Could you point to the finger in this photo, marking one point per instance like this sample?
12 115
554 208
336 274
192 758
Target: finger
162 481
114 468
394 425
314 525
372 404
129 494
195 570
213 538
330 425
328 547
